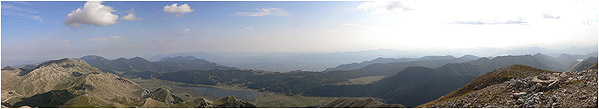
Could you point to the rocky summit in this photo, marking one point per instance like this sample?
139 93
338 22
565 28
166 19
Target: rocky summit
547 90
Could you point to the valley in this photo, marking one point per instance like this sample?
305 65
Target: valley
212 92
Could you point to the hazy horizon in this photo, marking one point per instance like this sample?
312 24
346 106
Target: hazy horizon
35 31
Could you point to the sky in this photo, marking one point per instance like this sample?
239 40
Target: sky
51 30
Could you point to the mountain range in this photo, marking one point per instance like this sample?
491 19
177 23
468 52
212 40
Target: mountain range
428 72
318 61
138 64
406 81
432 59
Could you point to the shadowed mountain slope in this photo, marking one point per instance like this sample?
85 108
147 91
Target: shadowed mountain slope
585 64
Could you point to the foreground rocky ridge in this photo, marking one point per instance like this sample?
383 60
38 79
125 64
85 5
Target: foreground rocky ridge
74 83
546 89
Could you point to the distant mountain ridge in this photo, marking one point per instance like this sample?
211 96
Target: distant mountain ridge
355 66
563 62
138 64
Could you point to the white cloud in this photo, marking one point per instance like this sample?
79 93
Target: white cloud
249 28
265 12
549 16
177 10
103 39
130 17
383 6
186 29
93 13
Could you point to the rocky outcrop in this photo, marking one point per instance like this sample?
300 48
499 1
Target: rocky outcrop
359 103
164 95
555 90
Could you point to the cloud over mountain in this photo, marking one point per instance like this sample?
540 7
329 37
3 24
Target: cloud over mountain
93 13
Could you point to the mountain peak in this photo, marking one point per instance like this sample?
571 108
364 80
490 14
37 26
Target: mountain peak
164 95
539 54
138 59
469 57
8 68
92 57
65 62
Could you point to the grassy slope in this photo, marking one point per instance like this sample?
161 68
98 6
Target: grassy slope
280 100
365 80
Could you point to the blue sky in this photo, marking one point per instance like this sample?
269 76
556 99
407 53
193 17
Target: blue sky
41 30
